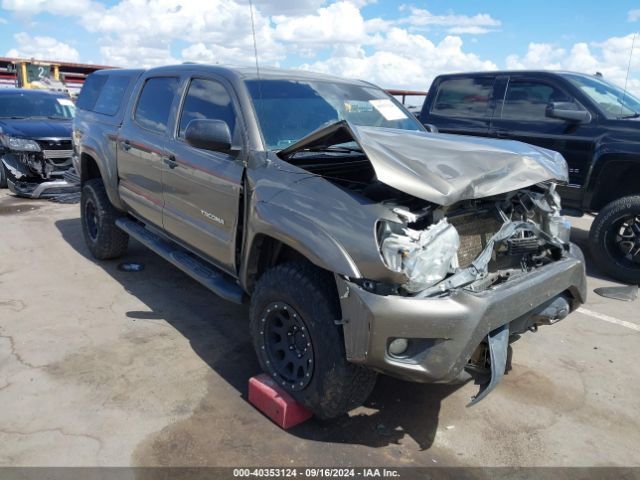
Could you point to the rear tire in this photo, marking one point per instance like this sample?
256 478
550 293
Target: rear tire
615 239
98 216
293 311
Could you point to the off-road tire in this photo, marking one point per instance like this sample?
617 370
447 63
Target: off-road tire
600 239
3 175
336 385
104 239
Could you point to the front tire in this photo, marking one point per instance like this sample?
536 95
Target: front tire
98 216
293 311
3 175
615 239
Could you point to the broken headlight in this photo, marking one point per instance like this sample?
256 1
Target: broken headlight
555 224
424 256
19 144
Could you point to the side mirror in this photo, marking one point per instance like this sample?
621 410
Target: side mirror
209 135
431 127
567 111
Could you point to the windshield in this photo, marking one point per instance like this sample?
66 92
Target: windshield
289 110
611 98
23 105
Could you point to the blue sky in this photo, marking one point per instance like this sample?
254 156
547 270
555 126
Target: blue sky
396 44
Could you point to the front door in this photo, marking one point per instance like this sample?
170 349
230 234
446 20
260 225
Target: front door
202 189
521 115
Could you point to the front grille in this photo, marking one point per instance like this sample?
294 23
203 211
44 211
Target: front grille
57 151
56 144
475 230
56 154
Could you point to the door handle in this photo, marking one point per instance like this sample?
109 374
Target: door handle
170 161
125 145
501 133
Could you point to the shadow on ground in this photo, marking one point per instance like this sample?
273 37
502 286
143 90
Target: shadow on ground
395 408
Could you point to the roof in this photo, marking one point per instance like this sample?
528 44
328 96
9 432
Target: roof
250 73
118 71
512 72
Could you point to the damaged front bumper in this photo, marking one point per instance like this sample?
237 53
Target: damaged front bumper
24 182
443 333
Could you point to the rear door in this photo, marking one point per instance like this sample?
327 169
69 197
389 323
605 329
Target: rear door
140 147
202 189
521 115
461 105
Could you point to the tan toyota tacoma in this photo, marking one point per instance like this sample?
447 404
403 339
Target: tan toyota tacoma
364 243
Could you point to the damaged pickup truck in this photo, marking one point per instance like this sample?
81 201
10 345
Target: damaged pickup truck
363 243
35 142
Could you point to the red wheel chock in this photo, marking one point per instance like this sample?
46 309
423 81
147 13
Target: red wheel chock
275 402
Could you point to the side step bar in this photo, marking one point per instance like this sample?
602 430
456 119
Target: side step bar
197 269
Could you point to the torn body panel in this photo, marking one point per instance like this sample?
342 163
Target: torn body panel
442 169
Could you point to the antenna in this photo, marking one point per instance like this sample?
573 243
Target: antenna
624 94
255 53
255 44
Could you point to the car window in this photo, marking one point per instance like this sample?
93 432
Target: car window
112 94
154 104
90 91
206 99
528 100
464 97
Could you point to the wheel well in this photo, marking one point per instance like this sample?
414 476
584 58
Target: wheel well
267 252
616 181
88 168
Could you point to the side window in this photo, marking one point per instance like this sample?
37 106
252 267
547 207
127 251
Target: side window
90 90
464 97
206 99
528 100
112 95
154 104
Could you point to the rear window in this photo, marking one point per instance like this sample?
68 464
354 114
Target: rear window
90 91
154 104
464 97
110 98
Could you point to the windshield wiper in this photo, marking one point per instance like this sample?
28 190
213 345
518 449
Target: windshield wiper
632 115
332 148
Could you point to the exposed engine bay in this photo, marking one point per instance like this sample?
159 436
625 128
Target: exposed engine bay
473 244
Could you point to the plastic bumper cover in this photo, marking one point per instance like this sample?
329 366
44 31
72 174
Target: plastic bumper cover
447 330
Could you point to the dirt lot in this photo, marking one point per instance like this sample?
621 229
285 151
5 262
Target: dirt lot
103 367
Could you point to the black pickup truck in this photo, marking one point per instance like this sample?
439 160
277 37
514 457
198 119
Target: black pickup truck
594 124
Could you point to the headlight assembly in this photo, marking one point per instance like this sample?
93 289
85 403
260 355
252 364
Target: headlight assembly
19 144
424 256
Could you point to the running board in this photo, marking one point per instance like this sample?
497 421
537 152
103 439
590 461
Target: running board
197 269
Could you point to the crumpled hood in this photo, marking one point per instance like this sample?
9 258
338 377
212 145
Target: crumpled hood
36 128
441 168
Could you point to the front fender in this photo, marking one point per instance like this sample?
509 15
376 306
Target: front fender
608 155
299 233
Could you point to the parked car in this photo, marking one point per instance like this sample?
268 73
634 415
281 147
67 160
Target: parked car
363 243
35 141
591 122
